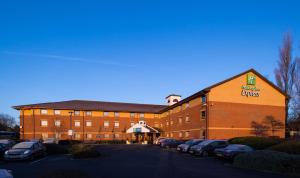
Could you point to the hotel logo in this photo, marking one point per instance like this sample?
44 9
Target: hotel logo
250 90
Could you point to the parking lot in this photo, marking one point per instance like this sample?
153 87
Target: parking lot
134 161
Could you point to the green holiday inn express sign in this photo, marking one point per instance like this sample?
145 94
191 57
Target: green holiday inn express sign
250 90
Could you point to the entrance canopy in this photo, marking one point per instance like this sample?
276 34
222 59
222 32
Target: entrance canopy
141 127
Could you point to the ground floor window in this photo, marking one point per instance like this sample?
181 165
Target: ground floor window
77 136
203 114
106 135
77 123
89 136
44 136
187 134
180 134
44 123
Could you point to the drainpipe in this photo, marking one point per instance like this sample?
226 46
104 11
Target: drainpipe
83 124
23 117
207 116
33 116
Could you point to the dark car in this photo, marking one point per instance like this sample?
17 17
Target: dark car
185 147
25 151
207 147
232 150
7 143
170 143
3 148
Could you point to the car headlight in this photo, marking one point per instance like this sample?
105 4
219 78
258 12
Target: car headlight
6 152
27 152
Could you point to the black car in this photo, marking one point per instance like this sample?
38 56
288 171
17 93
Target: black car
207 147
170 143
3 148
232 150
7 143
25 151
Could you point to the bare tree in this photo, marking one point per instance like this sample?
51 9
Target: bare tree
273 124
259 130
7 122
285 73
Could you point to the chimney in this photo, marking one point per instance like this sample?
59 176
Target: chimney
173 99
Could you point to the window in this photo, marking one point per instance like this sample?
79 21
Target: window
203 99
203 114
132 114
180 120
117 124
131 123
171 134
57 123
57 136
88 113
44 135
44 111
142 115
77 123
167 134
156 124
167 123
105 113
76 113
88 123
106 135
117 114
56 112
187 134
117 135
180 134
172 122
187 119
77 136
89 136
106 123
44 123
155 115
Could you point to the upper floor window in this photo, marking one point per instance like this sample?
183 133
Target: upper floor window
142 115
155 115
57 112
44 123
131 123
156 124
180 134
105 113
187 119
106 123
203 99
203 114
117 114
117 124
88 123
187 105
57 123
76 113
172 122
132 114
88 113
77 123
180 120
44 111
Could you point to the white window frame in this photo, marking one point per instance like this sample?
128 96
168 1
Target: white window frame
88 113
142 115
77 113
116 114
132 114
57 112
105 113
106 135
89 136
44 111
117 124
106 123
77 123
44 123
187 119
56 123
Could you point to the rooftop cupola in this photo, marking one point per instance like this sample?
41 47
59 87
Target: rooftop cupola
173 99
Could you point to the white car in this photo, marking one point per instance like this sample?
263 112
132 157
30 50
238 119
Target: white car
50 141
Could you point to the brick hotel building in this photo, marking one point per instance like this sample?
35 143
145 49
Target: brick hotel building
221 111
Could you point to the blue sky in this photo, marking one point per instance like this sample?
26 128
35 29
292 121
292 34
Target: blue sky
134 51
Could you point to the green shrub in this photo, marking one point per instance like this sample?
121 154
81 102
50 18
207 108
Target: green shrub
69 142
56 149
266 160
80 151
291 147
111 142
258 143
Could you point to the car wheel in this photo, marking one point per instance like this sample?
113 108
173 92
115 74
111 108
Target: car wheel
204 154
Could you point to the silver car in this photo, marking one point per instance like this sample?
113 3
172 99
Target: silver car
188 144
207 147
25 151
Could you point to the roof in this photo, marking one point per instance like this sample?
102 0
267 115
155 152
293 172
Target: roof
207 89
96 106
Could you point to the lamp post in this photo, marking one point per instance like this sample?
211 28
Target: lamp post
70 131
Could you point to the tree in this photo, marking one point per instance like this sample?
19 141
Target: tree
259 130
274 124
7 122
286 74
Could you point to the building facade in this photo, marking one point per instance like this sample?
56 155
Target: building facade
243 105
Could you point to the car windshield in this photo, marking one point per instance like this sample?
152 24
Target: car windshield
190 142
206 142
23 145
4 141
237 147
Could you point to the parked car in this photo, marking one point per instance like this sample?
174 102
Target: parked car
159 140
25 151
170 143
7 143
207 147
232 150
4 173
188 144
3 148
50 141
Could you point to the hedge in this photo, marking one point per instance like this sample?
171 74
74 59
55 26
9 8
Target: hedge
291 147
56 149
69 142
267 160
111 142
80 151
258 143
69 173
